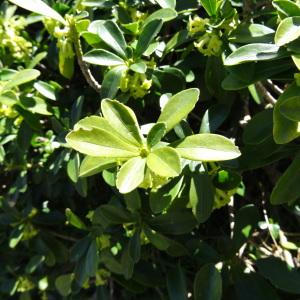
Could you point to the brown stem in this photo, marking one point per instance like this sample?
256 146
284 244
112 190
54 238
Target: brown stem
83 66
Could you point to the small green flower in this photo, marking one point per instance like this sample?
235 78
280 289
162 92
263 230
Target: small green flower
209 44
196 25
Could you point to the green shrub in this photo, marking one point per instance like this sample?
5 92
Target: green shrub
149 149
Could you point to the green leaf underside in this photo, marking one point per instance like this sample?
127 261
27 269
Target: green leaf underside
123 120
252 52
103 57
39 7
131 175
178 107
92 165
164 162
207 147
291 108
100 143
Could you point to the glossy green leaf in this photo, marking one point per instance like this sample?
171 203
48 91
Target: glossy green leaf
207 147
167 3
291 108
164 162
210 6
39 7
201 195
287 189
112 35
252 52
123 120
287 31
252 33
92 165
174 222
161 198
284 129
73 167
131 175
111 82
259 128
33 104
287 8
164 14
103 57
158 240
45 89
176 284
21 77
147 36
101 143
208 284
155 134
280 274
178 107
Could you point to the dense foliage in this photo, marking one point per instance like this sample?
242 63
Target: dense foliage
149 149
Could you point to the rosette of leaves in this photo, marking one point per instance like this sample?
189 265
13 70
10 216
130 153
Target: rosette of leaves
116 140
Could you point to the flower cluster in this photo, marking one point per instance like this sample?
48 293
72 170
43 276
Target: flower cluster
136 84
209 42
11 38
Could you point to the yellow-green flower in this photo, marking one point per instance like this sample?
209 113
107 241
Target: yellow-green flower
197 24
209 44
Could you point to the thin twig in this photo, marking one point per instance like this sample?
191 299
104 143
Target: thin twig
265 93
274 87
64 237
83 66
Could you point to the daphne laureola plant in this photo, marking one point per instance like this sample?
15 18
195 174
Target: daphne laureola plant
120 179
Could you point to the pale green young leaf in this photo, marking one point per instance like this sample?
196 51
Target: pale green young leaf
21 77
74 220
164 162
291 108
92 165
103 57
287 31
178 107
167 3
252 52
155 134
39 7
123 120
101 143
207 147
131 175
